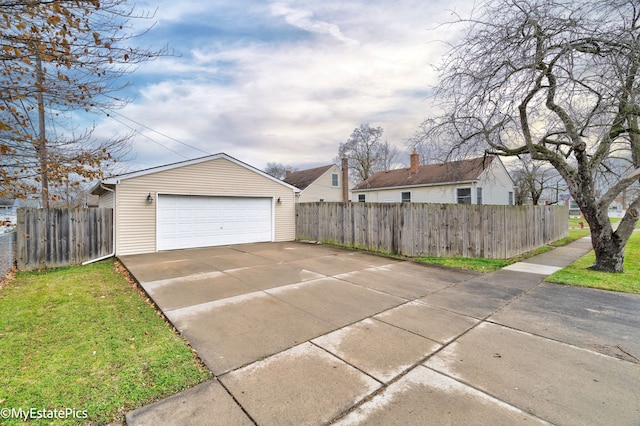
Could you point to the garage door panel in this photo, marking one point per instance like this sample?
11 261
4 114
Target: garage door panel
199 221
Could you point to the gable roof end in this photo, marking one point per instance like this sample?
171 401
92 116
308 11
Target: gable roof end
114 180
304 178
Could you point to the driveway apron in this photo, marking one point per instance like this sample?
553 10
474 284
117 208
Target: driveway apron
301 333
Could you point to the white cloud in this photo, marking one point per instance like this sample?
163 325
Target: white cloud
304 19
291 100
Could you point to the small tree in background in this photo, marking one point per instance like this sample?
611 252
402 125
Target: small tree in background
533 179
366 153
277 170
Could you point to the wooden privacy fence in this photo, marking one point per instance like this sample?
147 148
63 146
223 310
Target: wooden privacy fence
60 237
7 252
434 230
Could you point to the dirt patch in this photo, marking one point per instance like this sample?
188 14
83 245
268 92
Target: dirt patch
8 278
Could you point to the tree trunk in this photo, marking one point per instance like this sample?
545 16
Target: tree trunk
607 244
41 147
609 252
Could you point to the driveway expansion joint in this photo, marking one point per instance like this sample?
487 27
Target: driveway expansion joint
469 309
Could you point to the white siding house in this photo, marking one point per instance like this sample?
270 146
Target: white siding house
8 208
213 200
482 180
9 211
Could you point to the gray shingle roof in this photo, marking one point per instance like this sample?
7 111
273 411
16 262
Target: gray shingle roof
304 178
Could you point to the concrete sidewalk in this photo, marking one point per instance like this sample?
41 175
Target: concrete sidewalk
308 334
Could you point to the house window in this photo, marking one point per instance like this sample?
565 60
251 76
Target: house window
479 196
464 195
405 197
334 180
361 198
510 198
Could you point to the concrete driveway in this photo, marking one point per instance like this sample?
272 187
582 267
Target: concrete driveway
299 333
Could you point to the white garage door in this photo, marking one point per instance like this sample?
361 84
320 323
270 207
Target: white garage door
195 221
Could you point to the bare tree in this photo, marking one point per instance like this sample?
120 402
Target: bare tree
532 179
389 156
434 147
277 170
58 59
558 80
366 153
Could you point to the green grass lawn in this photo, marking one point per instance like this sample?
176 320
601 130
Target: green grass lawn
578 274
575 274
574 234
469 263
480 264
490 265
574 222
84 338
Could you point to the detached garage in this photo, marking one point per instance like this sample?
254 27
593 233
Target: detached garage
209 201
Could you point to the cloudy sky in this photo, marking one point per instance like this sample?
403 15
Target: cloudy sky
280 81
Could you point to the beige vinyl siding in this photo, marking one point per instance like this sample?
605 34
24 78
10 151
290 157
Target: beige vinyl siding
106 200
136 220
321 189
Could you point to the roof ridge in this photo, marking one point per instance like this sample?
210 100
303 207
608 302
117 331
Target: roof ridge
328 166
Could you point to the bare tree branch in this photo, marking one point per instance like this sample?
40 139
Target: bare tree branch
557 80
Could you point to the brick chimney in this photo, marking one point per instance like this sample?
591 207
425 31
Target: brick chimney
345 180
415 162
287 172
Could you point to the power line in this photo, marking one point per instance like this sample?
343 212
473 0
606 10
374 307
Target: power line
160 133
151 139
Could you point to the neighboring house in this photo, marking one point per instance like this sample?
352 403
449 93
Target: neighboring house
8 207
482 180
326 183
617 208
91 201
209 201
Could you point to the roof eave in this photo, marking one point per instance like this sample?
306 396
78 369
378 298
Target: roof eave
99 188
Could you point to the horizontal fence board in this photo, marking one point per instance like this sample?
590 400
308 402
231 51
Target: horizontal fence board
433 230
48 238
